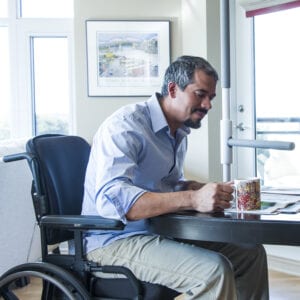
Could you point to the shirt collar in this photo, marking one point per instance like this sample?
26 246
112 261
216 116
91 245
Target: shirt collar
156 114
158 118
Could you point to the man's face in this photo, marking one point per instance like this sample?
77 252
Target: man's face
194 102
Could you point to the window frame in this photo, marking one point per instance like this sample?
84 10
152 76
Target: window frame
242 89
21 31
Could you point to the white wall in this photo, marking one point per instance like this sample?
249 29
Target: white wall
19 234
194 31
200 36
91 111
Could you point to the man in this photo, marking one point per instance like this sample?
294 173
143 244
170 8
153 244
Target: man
135 172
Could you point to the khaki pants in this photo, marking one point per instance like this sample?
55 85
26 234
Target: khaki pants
203 271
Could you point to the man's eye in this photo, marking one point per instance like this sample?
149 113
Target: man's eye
199 94
202 95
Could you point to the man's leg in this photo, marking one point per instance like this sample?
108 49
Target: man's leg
197 272
249 263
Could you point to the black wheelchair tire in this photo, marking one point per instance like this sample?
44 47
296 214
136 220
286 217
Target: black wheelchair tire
63 280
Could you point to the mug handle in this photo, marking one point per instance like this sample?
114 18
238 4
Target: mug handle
234 202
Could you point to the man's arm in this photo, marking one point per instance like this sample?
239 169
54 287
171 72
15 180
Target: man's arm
188 185
210 197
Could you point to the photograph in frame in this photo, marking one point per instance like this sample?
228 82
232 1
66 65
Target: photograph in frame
126 58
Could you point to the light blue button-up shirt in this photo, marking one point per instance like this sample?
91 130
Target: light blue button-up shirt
133 152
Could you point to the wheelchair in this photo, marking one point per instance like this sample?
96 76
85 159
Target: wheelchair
58 164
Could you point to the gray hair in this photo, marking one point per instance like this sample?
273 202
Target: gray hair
182 71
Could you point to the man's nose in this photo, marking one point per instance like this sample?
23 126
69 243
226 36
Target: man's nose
206 103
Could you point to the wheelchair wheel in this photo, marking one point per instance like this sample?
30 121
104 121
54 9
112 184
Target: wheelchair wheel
55 282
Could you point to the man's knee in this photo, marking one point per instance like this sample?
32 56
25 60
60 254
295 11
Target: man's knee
223 269
225 266
220 283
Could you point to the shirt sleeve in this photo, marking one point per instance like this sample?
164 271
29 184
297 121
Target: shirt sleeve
116 152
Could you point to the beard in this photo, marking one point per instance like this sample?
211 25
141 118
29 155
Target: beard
195 124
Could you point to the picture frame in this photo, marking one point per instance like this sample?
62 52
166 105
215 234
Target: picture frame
126 58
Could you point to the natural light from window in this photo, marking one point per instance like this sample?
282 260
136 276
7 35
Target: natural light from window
4 85
35 70
3 8
277 49
47 9
51 87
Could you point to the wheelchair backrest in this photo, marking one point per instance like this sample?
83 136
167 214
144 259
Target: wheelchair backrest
59 167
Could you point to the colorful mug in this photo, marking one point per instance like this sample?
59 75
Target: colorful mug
247 194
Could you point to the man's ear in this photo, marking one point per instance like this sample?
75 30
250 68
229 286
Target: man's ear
172 89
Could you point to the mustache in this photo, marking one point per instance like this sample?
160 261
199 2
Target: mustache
202 110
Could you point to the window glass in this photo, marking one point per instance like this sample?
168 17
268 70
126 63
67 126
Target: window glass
5 127
36 85
46 8
3 8
277 65
51 85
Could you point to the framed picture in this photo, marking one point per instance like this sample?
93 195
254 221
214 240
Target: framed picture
126 58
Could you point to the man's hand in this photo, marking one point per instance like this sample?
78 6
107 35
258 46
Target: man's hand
213 197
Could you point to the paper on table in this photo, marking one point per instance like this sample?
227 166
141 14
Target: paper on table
286 198
291 209
272 204
283 191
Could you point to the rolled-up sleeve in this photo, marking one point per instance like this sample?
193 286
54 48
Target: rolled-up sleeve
108 202
114 188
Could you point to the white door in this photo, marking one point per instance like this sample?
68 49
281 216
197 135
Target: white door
266 94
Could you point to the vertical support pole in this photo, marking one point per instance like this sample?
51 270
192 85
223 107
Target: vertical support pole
226 123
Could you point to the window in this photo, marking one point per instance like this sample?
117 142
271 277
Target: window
277 65
3 8
35 70
266 95
50 84
46 8
4 85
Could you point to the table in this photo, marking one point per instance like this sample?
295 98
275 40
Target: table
280 229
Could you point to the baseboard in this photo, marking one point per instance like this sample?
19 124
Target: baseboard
284 265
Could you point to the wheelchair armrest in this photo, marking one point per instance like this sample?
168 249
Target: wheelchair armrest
81 222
